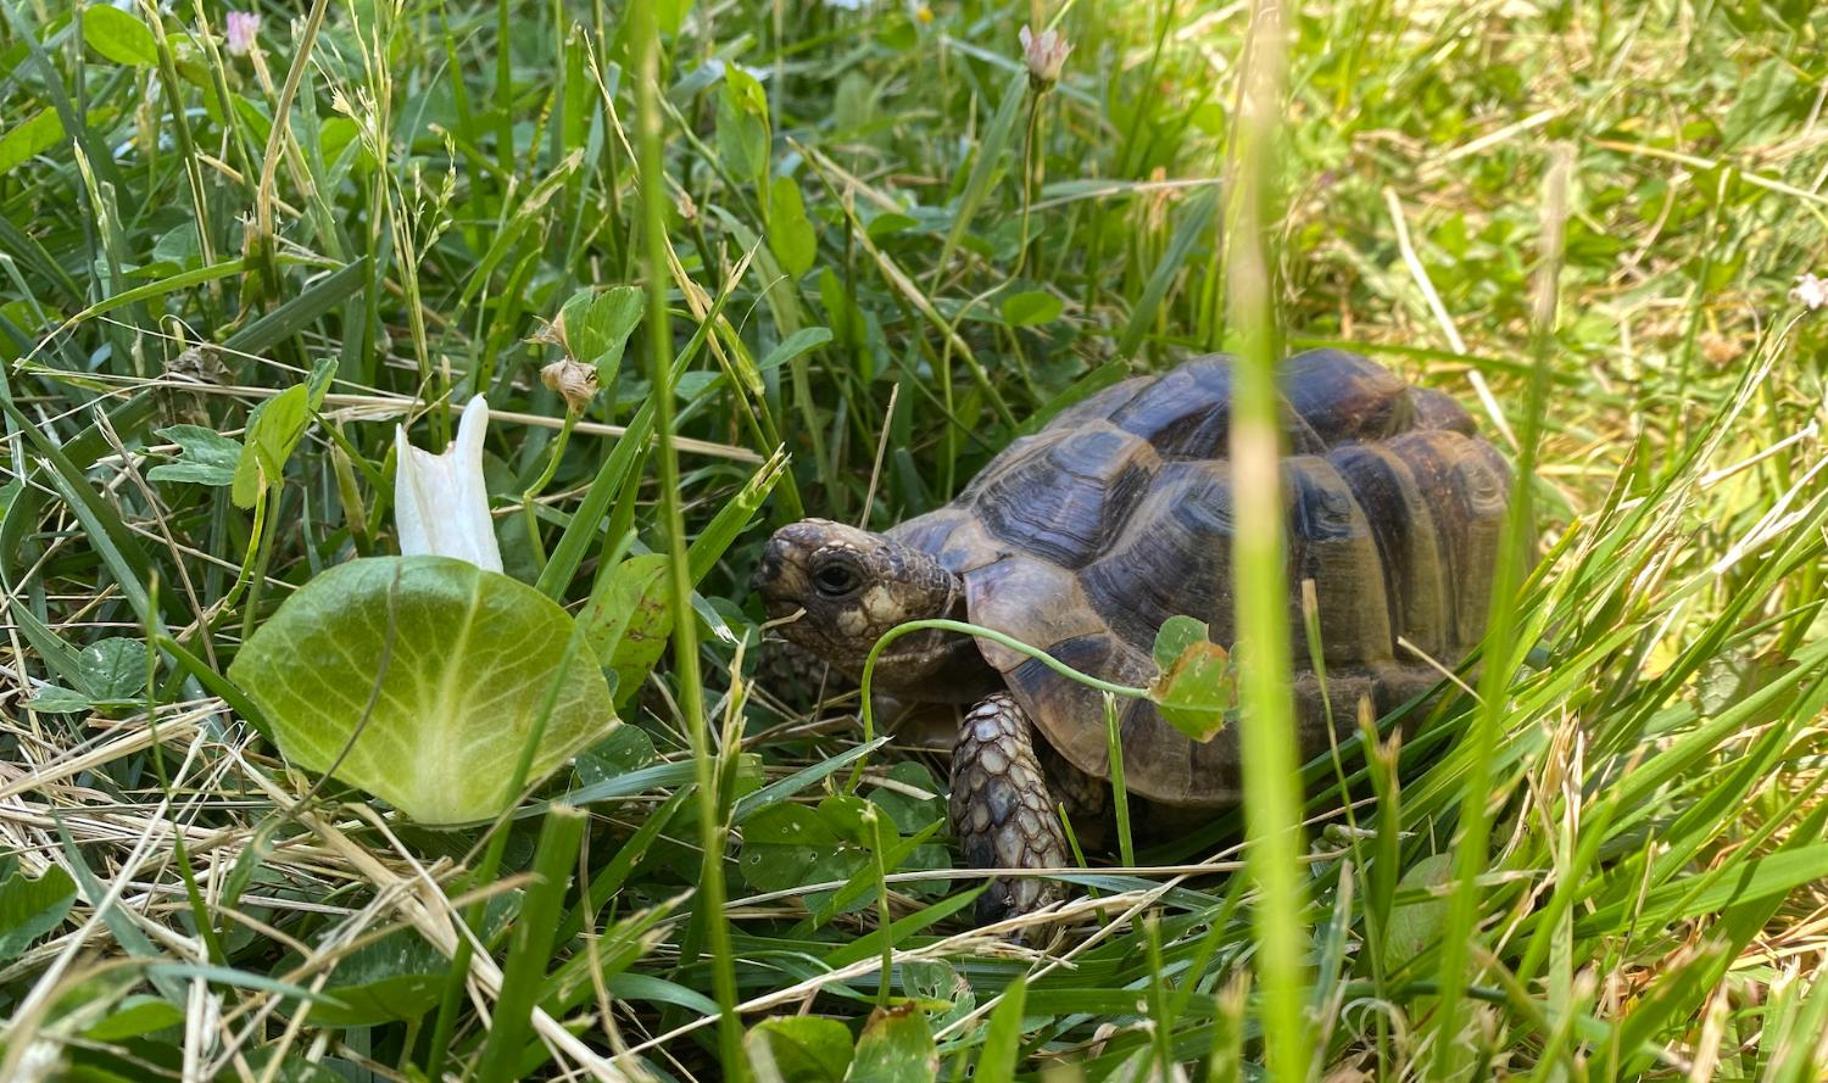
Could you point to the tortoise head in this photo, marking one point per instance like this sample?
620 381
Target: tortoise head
849 586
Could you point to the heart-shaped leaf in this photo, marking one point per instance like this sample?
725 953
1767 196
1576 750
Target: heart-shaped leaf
1031 308
421 678
790 234
30 908
1174 637
742 125
274 429
896 1047
114 668
806 338
397 977
594 327
1197 689
1415 926
204 457
627 621
799 1049
119 36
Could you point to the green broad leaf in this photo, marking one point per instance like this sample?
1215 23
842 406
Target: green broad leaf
896 1047
889 223
137 1015
30 908
1415 926
803 341
859 889
424 676
120 37
396 978
799 1049
55 699
274 429
29 138
934 983
915 801
1174 637
335 135
627 621
850 818
742 125
625 750
1031 308
788 825
768 867
1197 690
114 668
847 323
204 457
251 115
790 234
593 327
178 246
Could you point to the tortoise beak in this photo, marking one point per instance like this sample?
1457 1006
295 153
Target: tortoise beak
780 577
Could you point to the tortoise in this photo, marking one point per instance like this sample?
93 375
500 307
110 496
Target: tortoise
1083 538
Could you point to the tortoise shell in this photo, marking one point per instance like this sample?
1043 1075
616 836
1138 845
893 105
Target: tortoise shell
1084 537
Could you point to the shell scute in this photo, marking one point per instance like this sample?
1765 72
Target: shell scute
1065 499
1330 543
1343 396
1173 557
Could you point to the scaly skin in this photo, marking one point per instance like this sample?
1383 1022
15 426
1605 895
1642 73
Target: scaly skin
1002 809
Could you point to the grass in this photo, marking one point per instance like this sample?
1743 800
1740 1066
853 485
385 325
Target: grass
875 246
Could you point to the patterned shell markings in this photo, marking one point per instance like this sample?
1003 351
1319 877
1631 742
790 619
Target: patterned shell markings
1085 537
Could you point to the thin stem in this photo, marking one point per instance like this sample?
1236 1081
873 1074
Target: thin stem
981 632
539 485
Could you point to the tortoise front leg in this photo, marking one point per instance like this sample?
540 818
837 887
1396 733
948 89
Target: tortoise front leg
1002 812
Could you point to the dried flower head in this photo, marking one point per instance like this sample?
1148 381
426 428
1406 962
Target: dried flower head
1046 56
574 380
243 29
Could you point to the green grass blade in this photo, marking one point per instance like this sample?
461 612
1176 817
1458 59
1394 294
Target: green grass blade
1259 579
524 974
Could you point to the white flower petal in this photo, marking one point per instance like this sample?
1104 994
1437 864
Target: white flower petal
440 503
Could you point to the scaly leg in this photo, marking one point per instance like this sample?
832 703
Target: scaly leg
1001 808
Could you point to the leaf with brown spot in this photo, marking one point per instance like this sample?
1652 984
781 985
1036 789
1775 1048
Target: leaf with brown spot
627 621
896 1046
1197 690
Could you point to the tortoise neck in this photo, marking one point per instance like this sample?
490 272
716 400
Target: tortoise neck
938 666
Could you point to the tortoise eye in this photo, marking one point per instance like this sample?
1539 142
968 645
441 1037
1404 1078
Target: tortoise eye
837 579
